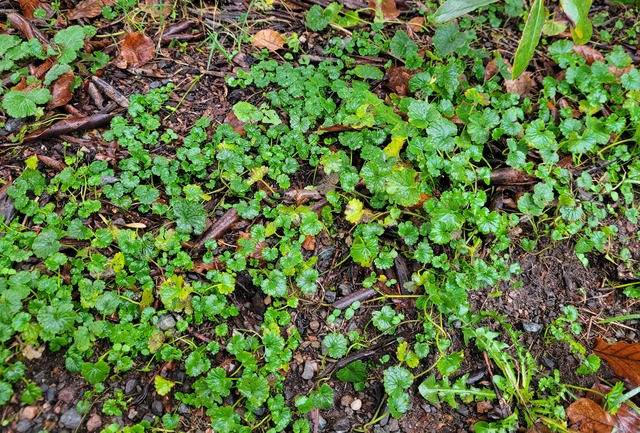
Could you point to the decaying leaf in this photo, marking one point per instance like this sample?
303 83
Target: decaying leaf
623 357
28 7
155 8
309 243
591 55
388 8
490 70
523 85
235 123
269 39
137 50
588 417
89 9
61 90
398 81
51 162
539 428
416 24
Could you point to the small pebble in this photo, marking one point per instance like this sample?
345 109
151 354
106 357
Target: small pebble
67 394
356 405
346 400
393 425
322 423
314 325
532 327
342 425
166 322
94 422
157 408
330 296
29 412
23 425
183 409
130 386
71 419
310 368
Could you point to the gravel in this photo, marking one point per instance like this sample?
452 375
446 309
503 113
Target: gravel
166 322
157 408
71 419
309 369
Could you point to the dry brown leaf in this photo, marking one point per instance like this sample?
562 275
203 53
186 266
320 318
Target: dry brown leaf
51 162
28 7
89 9
136 51
31 352
523 85
539 428
309 243
623 357
269 39
387 7
416 24
398 81
155 8
61 90
490 70
235 123
591 55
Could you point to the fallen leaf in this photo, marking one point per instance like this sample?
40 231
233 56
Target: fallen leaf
416 24
398 80
156 8
510 176
591 55
31 352
89 9
136 51
523 85
29 6
51 162
236 124
490 70
269 39
587 416
388 8
539 428
309 243
623 357
61 90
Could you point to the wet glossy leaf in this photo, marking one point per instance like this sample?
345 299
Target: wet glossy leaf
89 9
137 50
623 357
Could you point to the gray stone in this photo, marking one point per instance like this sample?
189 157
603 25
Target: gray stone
131 386
393 425
342 425
330 296
183 409
71 419
52 395
532 327
157 408
23 425
166 322
309 369
322 423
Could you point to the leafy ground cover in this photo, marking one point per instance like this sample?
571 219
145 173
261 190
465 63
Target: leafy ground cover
279 216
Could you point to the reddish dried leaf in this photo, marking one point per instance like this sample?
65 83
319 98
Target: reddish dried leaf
387 7
624 358
628 419
61 90
137 50
89 9
42 69
523 85
588 417
269 39
416 24
51 163
398 80
490 70
25 27
219 228
510 176
28 7
309 243
590 54
235 123
156 8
